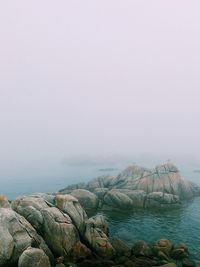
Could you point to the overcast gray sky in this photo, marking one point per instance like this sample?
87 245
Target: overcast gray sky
98 78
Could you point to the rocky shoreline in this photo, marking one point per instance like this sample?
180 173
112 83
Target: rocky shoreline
48 230
54 230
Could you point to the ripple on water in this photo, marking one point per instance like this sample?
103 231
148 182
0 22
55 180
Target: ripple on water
177 225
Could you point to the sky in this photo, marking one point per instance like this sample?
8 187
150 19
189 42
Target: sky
97 79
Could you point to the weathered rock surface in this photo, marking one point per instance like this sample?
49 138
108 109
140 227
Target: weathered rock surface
162 248
4 202
96 237
140 248
120 248
71 206
80 252
55 226
160 199
116 199
67 243
16 235
164 178
33 257
137 187
86 198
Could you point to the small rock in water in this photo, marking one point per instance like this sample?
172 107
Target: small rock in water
171 264
188 263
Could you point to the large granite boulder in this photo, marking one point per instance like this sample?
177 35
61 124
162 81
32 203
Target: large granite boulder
70 205
87 199
16 236
55 226
33 257
125 198
115 199
164 178
96 237
160 199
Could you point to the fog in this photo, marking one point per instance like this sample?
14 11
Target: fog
96 81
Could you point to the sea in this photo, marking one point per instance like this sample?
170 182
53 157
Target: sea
177 225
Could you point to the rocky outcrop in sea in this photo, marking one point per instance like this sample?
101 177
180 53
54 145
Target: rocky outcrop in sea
136 187
48 230
45 230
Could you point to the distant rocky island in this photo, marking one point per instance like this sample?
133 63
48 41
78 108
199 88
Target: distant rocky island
47 230
196 171
135 187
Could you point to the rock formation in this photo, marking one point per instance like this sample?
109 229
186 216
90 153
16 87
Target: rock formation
35 232
136 187
47 230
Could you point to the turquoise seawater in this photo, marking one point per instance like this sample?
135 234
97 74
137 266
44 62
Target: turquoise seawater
177 225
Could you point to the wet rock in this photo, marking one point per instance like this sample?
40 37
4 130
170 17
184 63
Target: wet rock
188 263
33 257
171 264
119 247
162 248
96 263
87 199
97 239
63 265
179 252
140 248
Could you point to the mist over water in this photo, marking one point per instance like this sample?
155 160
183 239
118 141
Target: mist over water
89 87
69 170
